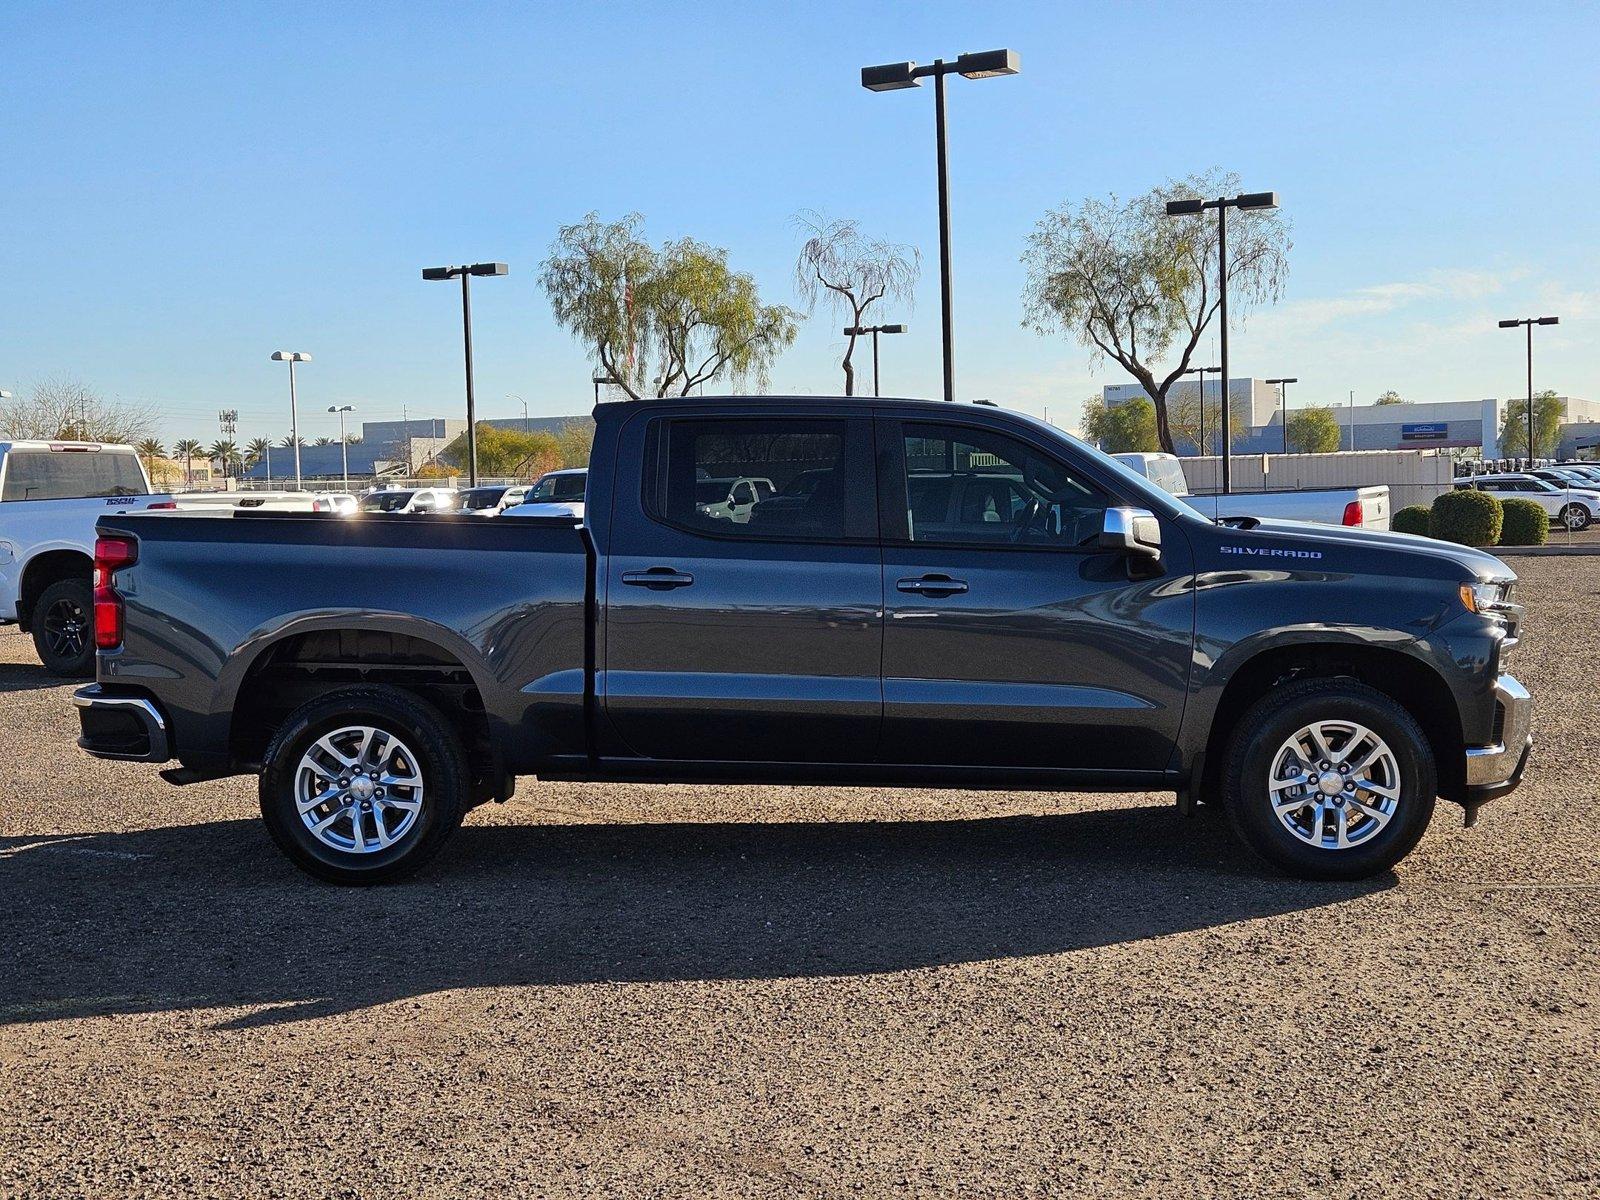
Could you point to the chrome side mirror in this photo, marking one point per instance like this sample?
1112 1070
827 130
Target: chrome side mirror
1132 531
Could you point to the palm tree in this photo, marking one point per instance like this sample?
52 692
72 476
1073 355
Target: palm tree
323 441
226 452
150 449
256 449
288 442
188 450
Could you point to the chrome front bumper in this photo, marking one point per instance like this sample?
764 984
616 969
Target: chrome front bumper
129 728
1494 770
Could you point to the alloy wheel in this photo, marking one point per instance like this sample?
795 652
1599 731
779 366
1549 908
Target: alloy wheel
358 789
1334 784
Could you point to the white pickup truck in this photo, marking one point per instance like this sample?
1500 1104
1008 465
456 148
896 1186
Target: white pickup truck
1365 507
51 495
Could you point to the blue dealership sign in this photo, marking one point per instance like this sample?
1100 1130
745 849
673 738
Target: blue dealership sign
1430 431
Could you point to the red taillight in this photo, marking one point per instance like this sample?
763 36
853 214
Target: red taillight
1353 514
163 504
111 554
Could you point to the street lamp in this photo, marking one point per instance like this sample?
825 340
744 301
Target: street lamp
1201 371
344 449
892 77
291 357
1186 208
1530 322
874 330
466 273
598 380
524 403
1283 404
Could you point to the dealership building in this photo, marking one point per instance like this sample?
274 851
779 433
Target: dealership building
1254 406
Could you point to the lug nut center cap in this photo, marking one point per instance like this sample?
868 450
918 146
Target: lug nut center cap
362 788
1330 783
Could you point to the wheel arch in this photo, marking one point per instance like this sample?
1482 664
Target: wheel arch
45 568
1404 677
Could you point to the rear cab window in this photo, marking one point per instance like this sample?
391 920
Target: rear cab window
38 474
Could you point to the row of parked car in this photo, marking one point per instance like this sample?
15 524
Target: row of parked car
1569 491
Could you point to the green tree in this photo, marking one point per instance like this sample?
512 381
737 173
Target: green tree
574 440
226 453
1125 428
1548 413
852 274
188 450
507 453
661 322
256 450
1390 397
1313 430
1136 286
151 449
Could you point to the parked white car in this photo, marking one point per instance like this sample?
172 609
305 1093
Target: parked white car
410 500
490 500
1574 508
51 495
1362 507
731 499
554 494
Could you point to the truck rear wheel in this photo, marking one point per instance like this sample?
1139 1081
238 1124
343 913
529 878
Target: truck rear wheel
63 628
1329 779
364 785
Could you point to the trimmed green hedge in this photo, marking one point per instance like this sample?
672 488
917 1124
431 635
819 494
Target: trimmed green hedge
1524 523
1467 517
1413 518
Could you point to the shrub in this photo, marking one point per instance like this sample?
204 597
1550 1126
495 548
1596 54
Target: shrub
1413 518
1525 523
1471 518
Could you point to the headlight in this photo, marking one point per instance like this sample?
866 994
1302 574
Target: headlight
1482 597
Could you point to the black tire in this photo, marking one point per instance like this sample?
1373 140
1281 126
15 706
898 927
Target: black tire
1575 517
439 760
63 628
1275 718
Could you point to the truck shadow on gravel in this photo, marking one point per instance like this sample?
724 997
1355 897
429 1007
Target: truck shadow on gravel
208 915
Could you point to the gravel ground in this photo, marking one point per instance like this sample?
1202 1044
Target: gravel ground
740 992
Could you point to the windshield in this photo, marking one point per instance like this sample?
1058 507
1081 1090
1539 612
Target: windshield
558 487
385 501
1141 485
476 499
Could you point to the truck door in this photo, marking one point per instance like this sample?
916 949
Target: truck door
755 639
1012 639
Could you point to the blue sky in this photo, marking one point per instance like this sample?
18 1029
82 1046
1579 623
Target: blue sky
188 186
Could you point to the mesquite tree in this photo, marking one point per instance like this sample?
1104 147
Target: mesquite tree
1138 287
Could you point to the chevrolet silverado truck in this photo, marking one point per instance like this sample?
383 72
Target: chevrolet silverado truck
958 597
51 495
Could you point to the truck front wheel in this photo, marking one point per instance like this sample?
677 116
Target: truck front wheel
1329 779
364 785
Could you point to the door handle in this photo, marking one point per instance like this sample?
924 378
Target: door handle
933 585
658 579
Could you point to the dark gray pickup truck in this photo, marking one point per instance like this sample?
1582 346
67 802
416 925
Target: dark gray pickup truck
803 590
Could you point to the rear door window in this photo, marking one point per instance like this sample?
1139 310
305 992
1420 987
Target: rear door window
71 475
728 477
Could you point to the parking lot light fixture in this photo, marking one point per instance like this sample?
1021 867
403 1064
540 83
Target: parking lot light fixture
874 330
1530 322
344 448
1192 207
1200 447
291 357
465 273
600 381
892 77
1283 404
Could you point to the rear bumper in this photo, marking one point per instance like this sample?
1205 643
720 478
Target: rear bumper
1497 769
123 727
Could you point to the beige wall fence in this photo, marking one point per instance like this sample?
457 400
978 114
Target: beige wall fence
1413 476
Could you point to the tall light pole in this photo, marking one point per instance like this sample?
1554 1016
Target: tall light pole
1530 322
1283 405
524 403
891 77
291 357
466 273
874 330
1200 447
598 380
344 447
1183 208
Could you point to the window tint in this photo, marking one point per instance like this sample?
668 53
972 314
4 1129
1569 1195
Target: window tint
974 486
570 487
779 477
71 474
